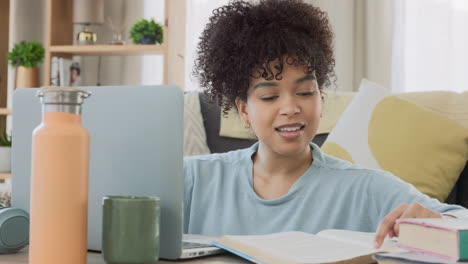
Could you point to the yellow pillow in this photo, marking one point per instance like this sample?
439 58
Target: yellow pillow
416 144
448 104
233 127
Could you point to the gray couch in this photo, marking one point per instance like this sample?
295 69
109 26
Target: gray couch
218 144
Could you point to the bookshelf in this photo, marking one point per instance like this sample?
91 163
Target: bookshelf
4 38
108 50
59 39
4 176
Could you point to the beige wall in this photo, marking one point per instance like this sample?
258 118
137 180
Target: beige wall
177 14
363 37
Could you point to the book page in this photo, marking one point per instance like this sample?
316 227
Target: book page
296 247
363 239
200 239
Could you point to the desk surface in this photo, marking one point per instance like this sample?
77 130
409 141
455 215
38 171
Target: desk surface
96 258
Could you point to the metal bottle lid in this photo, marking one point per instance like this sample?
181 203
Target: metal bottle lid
62 99
62 95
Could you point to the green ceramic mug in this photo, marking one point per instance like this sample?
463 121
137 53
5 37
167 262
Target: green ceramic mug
130 229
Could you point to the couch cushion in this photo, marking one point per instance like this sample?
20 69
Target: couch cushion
390 133
462 188
211 119
448 104
194 131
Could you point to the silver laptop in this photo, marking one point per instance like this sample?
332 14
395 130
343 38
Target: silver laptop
136 149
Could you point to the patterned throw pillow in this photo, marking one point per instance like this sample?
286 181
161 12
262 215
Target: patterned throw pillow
194 130
392 133
5 198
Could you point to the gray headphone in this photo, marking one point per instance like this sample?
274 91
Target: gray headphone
14 229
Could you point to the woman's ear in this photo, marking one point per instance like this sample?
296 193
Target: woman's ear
242 110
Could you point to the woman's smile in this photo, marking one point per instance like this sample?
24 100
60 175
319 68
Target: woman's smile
291 131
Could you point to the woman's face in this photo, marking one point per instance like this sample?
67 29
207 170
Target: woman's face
284 114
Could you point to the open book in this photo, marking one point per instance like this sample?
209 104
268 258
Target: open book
328 246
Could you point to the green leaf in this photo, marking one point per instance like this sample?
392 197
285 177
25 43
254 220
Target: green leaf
146 28
27 54
5 140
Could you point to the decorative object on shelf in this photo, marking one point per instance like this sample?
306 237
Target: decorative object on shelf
5 198
117 32
5 152
65 72
147 32
88 12
26 57
75 74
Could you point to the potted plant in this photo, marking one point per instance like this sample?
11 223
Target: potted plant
5 152
146 32
26 57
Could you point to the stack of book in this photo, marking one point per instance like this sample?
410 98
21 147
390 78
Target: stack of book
430 241
420 241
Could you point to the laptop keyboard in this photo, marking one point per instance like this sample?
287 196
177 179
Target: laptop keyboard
190 245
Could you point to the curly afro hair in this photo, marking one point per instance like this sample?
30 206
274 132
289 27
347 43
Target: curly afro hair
244 40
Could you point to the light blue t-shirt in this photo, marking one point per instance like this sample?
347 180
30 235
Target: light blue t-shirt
332 193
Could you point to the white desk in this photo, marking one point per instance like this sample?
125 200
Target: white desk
96 258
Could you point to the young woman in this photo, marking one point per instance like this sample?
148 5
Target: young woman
271 61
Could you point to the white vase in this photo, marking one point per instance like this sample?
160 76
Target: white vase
5 159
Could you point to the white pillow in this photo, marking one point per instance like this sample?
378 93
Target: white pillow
194 130
351 131
332 108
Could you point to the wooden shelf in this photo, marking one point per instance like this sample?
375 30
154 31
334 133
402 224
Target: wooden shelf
4 176
5 111
107 50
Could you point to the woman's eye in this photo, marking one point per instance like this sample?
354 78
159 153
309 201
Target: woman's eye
306 93
268 98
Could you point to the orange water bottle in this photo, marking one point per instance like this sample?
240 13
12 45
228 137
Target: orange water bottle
59 179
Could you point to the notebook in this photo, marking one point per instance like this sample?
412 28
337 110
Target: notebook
136 148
